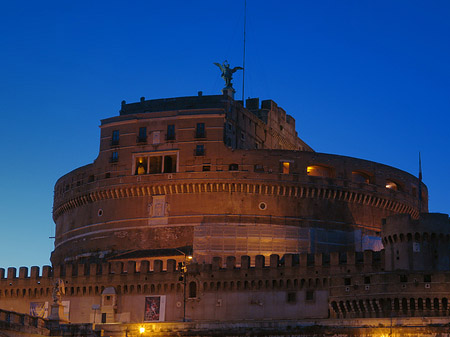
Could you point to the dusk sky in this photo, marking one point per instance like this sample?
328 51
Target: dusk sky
366 79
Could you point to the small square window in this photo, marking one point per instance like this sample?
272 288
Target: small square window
403 278
233 167
366 279
427 278
309 296
291 297
259 168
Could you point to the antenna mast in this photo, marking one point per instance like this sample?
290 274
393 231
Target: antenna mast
243 62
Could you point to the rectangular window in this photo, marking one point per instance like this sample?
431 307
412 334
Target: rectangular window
309 296
291 297
142 137
200 150
115 137
170 164
115 157
285 166
347 281
427 278
403 278
206 168
200 130
155 164
259 168
366 279
170 132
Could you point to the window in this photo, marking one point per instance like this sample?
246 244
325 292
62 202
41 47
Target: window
347 281
259 168
309 296
366 279
192 289
115 157
200 130
155 163
170 132
291 297
233 167
403 278
285 166
391 185
200 150
142 137
360 177
427 278
115 137
319 171
170 164
141 167
206 168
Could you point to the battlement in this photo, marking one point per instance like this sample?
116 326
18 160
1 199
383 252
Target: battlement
332 261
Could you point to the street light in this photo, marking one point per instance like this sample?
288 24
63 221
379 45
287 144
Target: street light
182 266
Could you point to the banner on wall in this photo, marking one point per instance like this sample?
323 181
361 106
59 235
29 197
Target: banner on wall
155 308
39 309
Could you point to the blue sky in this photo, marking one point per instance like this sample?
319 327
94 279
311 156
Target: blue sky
367 79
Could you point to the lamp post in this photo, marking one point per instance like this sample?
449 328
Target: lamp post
183 275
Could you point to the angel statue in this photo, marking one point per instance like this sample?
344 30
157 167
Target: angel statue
227 73
58 290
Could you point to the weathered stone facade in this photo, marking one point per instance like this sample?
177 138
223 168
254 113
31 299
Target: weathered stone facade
278 233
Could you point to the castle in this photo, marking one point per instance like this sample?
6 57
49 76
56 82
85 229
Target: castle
203 209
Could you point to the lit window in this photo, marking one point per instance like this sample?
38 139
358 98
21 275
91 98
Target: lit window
115 137
154 164
142 137
141 165
200 130
285 167
170 132
391 185
319 171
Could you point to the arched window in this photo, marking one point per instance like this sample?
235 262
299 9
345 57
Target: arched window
192 289
360 177
319 171
392 185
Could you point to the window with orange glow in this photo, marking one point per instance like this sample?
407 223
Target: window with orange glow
319 171
391 185
285 166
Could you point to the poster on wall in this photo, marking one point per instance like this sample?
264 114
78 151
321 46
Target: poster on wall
155 308
39 309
